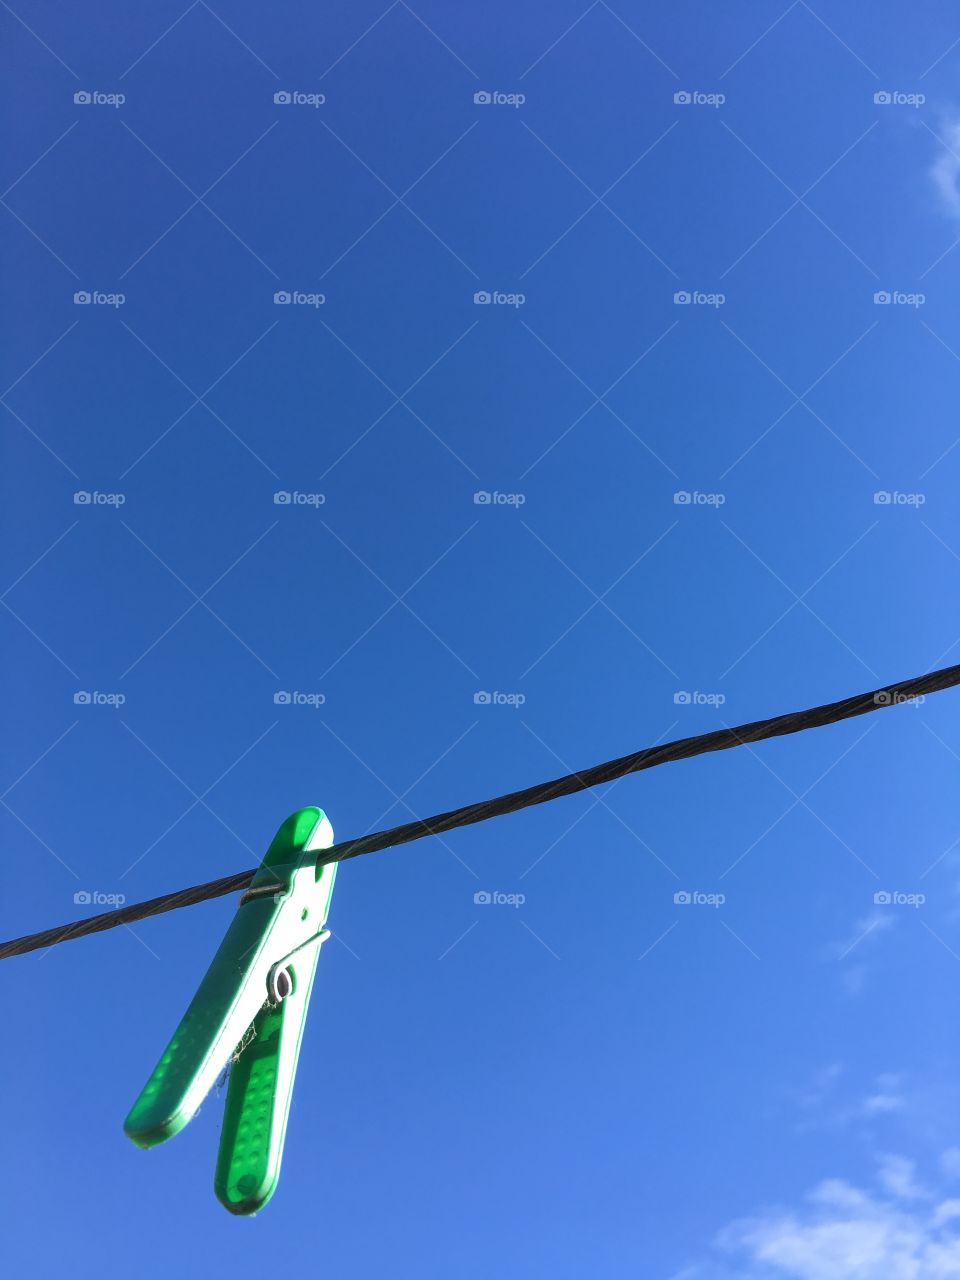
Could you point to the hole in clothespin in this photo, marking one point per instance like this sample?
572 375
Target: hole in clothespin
281 985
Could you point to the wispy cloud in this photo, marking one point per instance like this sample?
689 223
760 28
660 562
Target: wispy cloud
945 170
900 1231
822 1089
834 1100
886 1096
871 926
851 951
897 1175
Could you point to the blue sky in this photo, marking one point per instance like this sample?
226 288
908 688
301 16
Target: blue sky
613 405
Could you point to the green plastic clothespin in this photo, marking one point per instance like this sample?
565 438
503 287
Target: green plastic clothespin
251 1005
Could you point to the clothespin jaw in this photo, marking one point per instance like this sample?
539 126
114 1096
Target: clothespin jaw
252 1005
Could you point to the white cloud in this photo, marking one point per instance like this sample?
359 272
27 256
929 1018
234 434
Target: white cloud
878 1103
834 1100
842 1232
886 1097
823 1087
869 926
946 1212
945 170
896 1176
854 979
851 949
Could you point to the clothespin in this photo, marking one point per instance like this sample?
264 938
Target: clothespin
251 1005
